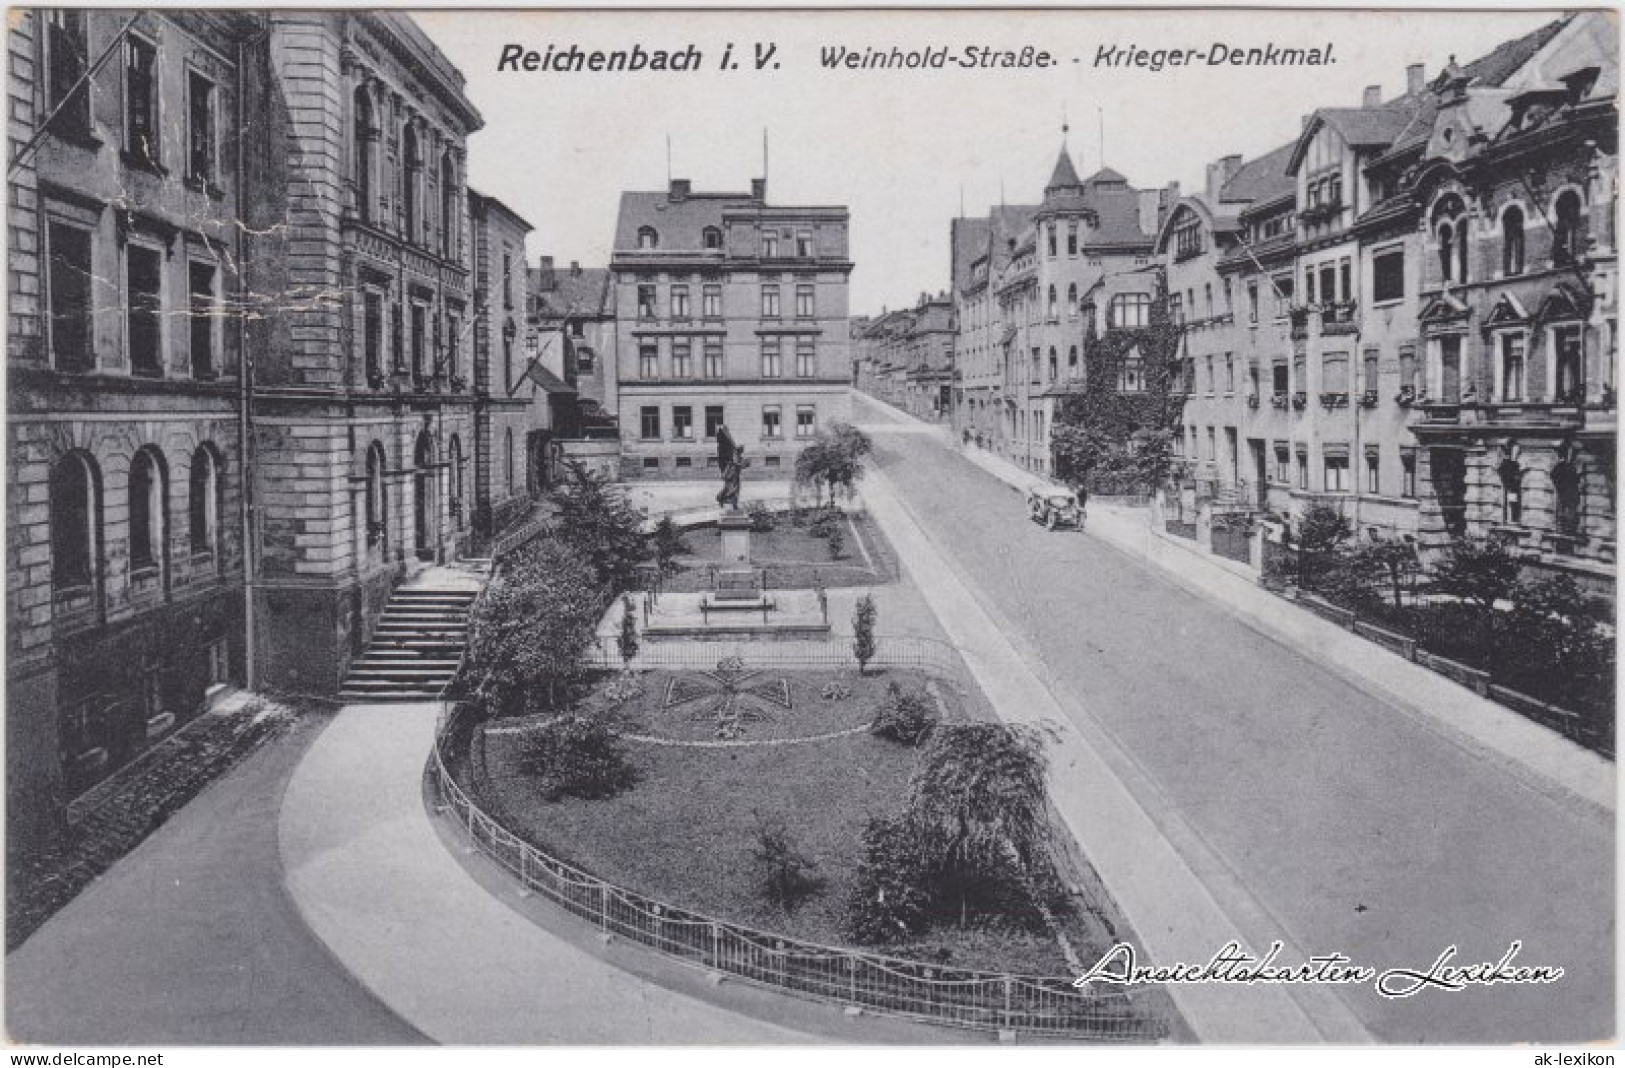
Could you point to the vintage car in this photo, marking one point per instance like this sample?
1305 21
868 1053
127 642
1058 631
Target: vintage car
1054 506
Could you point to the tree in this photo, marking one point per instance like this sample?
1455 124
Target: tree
1555 644
1322 530
837 542
668 545
627 642
597 520
833 458
1479 571
530 629
1391 561
863 632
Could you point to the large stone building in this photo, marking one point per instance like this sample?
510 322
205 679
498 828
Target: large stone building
981 250
363 411
906 357
125 511
728 310
574 308
1374 281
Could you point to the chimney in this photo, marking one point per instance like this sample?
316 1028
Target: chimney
1372 97
1415 77
758 189
575 267
680 189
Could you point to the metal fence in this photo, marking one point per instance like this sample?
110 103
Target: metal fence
887 985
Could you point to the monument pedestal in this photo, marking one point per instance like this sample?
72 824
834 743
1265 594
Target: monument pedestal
736 579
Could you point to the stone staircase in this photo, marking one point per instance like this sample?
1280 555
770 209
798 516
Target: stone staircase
416 645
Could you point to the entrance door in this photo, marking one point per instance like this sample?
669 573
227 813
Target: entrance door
1450 370
427 513
1261 482
1234 455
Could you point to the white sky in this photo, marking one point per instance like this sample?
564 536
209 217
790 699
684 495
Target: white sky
896 147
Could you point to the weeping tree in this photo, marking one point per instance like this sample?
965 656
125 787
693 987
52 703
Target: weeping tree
833 458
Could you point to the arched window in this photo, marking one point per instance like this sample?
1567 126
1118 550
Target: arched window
1566 489
509 454
147 511
203 501
1512 242
713 237
1511 492
455 476
414 179
365 137
1072 358
449 200
647 237
1567 240
75 523
1054 363
377 501
1450 227
1052 302
1072 301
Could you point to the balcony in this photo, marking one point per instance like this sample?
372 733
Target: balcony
1368 399
1319 213
1279 401
1331 401
1406 396
1340 317
1252 400
1300 401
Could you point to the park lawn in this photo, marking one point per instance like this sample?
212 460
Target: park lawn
685 833
792 556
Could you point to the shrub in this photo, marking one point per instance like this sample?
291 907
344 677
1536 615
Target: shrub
626 643
784 874
823 524
597 520
837 542
1322 530
863 632
1481 571
577 755
889 902
906 716
761 517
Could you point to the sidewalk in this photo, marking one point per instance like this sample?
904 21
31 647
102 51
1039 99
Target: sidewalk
375 882
1540 758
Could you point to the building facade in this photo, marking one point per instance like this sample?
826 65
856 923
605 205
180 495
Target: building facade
574 308
125 371
728 310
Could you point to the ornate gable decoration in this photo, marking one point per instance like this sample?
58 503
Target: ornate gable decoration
1508 311
1442 310
1562 303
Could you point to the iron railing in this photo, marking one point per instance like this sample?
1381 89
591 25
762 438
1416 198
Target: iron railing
893 986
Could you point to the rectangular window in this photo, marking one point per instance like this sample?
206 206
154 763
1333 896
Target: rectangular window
1252 302
1283 463
1212 381
1373 471
202 319
454 344
1337 474
372 335
712 296
649 358
806 361
770 244
1283 295
1303 470
684 461
679 302
646 300
649 422
1407 473
144 270
1279 382
1334 372
420 332
1388 276
682 422
806 420
507 279
1512 361
70 297
1229 373
1345 276
1212 445
200 128
1369 383
713 357
141 100
771 428
67 53
1072 239
682 358
1407 366
713 419
804 302
804 244
770 358
770 301
651 463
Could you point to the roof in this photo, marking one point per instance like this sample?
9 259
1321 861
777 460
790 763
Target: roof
968 238
1263 179
680 224
490 203
549 381
1065 174
1105 176
1507 58
560 292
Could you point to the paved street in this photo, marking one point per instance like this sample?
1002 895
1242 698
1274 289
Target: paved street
1340 822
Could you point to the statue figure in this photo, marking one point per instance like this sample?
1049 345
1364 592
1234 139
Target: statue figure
731 459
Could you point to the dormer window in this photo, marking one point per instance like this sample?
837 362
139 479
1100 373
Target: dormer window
712 237
648 237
